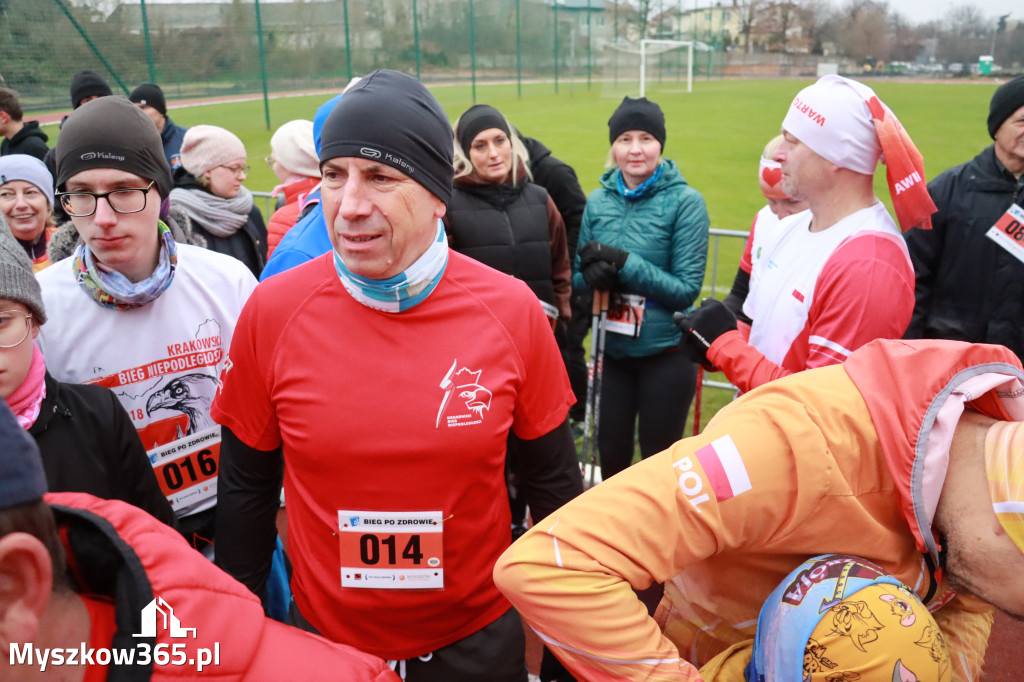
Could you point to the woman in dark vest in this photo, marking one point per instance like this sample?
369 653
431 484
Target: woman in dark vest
500 218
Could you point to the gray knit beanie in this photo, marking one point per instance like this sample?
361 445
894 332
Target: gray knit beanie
111 132
17 280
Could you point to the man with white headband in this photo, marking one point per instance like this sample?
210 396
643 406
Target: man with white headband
910 455
839 275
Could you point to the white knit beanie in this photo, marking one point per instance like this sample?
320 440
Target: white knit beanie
206 147
293 148
832 118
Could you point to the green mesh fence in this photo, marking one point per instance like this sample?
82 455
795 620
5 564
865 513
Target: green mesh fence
199 50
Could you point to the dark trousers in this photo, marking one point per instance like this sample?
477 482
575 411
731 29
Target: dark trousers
495 653
650 395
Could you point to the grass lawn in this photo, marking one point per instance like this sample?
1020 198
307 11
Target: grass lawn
715 133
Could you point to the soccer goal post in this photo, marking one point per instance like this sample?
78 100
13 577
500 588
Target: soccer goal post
653 46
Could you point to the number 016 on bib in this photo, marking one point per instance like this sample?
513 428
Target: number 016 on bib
391 550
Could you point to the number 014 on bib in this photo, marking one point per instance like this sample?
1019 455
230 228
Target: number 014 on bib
391 550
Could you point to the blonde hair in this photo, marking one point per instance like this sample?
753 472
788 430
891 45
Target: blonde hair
463 166
769 149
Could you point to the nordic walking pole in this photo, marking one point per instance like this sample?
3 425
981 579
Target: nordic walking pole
601 301
588 413
696 400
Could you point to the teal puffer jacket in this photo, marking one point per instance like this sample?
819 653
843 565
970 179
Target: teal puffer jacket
665 232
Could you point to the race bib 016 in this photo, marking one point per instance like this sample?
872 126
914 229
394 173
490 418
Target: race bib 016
186 469
391 550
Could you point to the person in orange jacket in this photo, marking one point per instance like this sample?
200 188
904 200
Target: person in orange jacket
909 455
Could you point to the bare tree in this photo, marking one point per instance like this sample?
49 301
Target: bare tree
749 10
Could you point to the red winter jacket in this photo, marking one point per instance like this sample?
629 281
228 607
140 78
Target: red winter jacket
119 551
285 217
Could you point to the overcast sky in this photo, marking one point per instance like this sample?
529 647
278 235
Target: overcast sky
920 11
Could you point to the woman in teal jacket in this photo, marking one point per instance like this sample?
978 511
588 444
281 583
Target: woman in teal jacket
645 239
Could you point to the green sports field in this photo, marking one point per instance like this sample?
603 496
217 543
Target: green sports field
715 133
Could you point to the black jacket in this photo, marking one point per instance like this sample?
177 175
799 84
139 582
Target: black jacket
248 244
968 287
29 140
507 227
560 180
89 445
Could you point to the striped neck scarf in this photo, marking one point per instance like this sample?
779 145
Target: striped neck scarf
406 289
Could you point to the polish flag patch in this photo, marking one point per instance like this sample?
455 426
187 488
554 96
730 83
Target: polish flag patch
797 295
724 468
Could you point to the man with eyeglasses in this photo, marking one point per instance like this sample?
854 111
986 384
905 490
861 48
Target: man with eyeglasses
135 311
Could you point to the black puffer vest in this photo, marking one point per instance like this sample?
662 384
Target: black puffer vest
505 226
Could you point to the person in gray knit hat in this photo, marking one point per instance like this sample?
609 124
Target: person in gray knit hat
136 311
968 266
391 312
86 439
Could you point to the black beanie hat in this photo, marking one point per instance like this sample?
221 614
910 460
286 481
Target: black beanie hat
478 118
86 83
637 114
1009 97
111 132
391 117
151 95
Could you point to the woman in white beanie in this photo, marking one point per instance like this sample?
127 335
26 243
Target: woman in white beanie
26 201
209 200
294 160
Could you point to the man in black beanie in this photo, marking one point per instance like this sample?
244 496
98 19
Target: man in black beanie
150 98
969 267
87 86
383 378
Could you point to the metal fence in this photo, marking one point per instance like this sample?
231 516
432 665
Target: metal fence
204 49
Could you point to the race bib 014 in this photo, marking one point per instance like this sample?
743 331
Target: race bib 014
391 550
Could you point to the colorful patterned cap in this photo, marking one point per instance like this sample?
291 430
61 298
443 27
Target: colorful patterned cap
838 618
1004 469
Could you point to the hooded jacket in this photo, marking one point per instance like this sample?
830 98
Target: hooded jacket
968 287
665 232
29 140
118 552
841 459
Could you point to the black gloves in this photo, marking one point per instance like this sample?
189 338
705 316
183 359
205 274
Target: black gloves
600 275
596 251
700 329
600 265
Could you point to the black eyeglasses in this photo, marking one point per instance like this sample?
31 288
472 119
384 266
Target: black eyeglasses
123 200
